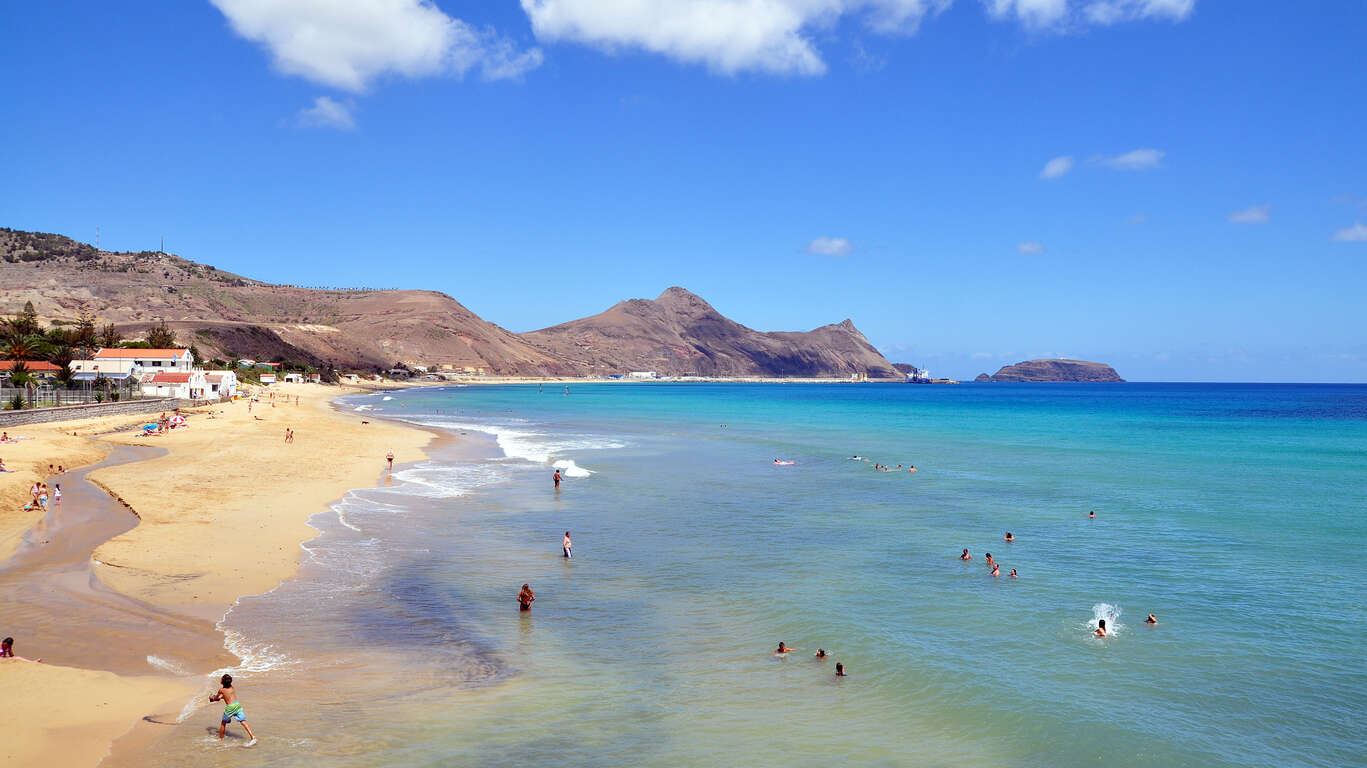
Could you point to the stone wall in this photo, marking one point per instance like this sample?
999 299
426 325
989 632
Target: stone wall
11 419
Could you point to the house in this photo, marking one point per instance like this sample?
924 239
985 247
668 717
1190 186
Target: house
186 385
115 369
643 375
41 370
150 359
246 363
351 378
315 378
268 378
221 384
294 378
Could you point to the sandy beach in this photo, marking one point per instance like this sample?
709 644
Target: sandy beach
220 513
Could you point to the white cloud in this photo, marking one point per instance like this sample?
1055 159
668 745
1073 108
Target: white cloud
779 36
1138 218
1033 14
1354 234
1115 11
1039 15
1030 249
1134 160
327 113
1257 214
348 43
1057 167
830 246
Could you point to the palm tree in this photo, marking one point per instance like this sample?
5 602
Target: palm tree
23 347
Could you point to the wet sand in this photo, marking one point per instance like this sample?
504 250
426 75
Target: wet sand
48 589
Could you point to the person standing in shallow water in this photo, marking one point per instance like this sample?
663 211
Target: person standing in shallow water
390 458
556 478
567 545
526 597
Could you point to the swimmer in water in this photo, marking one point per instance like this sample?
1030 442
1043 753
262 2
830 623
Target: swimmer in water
783 649
1008 537
989 559
526 597
1100 628
1151 620
820 653
996 570
911 467
1013 573
965 555
839 669
1091 514
567 545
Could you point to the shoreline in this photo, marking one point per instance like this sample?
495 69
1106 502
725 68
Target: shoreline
221 515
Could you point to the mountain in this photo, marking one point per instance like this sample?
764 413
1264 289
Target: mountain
1054 371
230 316
679 334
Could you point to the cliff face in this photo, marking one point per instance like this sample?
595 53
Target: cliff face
230 316
1054 371
679 334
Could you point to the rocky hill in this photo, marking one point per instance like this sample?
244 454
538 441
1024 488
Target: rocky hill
230 316
1054 371
679 334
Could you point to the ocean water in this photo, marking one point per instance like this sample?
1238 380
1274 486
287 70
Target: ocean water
1233 512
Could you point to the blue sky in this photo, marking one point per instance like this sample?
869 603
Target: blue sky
1177 187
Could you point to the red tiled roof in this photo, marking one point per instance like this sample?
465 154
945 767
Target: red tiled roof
172 377
141 354
32 365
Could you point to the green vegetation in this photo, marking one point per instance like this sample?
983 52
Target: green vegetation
161 337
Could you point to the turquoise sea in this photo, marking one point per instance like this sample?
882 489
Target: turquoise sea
1235 513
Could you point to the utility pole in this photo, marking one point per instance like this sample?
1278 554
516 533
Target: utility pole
97 238
163 245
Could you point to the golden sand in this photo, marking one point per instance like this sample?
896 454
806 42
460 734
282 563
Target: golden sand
222 515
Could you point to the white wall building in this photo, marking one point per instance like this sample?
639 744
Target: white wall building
643 375
221 384
186 385
151 360
114 369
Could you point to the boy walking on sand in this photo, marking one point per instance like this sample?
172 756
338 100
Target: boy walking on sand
232 708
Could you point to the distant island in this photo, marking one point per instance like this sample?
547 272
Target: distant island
1054 371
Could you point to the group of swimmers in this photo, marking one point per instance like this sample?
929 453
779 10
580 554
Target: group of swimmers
884 467
994 568
784 650
995 571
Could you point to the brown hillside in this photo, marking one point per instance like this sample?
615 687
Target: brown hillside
679 334
230 316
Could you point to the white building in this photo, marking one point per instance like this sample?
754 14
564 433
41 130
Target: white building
152 360
221 384
186 385
643 375
294 378
114 369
